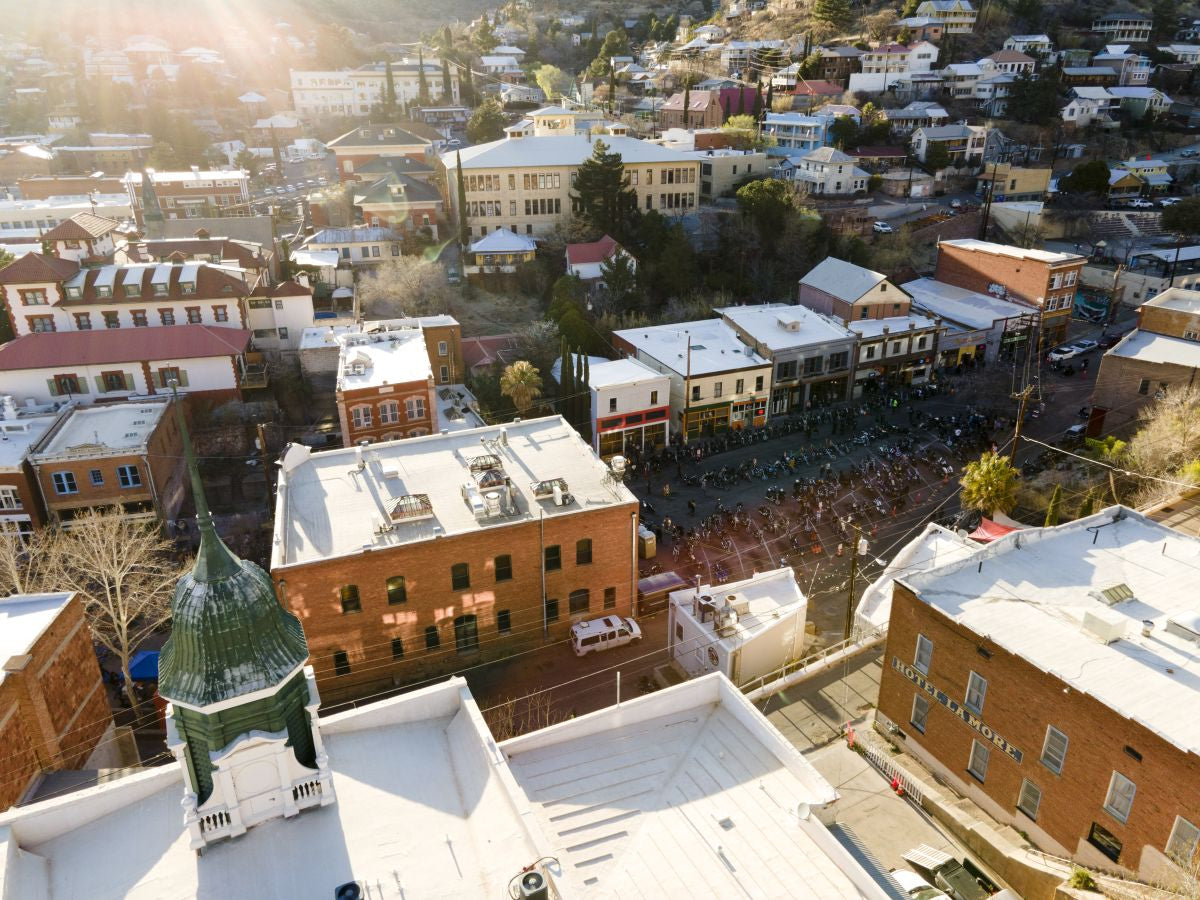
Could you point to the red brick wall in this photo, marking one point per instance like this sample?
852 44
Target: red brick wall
31 501
312 592
375 397
54 709
1021 702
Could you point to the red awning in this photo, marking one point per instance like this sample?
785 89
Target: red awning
989 531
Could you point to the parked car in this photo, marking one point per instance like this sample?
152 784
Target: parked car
603 634
1141 203
1060 354
454 142
1168 201
917 887
956 203
882 228
1110 340
290 188
1189 153
1086 344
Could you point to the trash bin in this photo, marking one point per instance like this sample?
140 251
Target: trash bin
647 543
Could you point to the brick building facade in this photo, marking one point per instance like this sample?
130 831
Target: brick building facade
53 706
1030 719
1039 278
516 533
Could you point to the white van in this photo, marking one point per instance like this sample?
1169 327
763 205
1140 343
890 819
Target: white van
601 634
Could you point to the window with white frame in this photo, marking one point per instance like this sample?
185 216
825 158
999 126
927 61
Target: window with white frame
389 413
976 693
920 712
414 407
1183 845
1029 799
361 416
129 476
1054 749
1119 801
977 765
924 654
64 483
9 498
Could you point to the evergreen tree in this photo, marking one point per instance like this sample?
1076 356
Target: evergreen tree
275 152
604 200
757 104
467 88
285 260
447 92
770 94
389 92
422 82
687 105
837 14
725 108
741 101
447 38
1052 511
585 402
576 393
612 88
1088 506
565 381
464 228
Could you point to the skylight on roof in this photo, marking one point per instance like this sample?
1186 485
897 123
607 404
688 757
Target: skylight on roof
1117 593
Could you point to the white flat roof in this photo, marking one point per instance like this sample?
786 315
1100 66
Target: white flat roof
330 508
102 429
559 150
1029 591
714 347
19 434
969 308
686 792
761 601
1046 256
897 326
933 547
456 408
1147 346
23 619
1177 298
780 327
617 372
383 358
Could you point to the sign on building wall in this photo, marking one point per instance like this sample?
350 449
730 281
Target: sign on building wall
957 708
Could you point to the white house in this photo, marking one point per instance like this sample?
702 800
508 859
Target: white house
964 143
746 630
630 406
1087 105
884 65
1185 53
794 131
358 246
115 364
83 236
958 15
278 314
1033 44
586 261
825 170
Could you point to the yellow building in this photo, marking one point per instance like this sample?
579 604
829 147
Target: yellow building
1013 182
524 181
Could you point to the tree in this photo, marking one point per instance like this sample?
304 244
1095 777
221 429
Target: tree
616 43
553 81
1169 437
880 24
163 156
404 286
122 569
1089 178
910 9
467 88
1182 218
937 157
837 14
276 153
422 81
620 281
1035 99
1053 509
604 200
687 106
844 133
989 484
248 161
389 91
522 384
447 92
743 134
487 122
566 382
766 203
6 258
485 36
904 35
1088 506
464 227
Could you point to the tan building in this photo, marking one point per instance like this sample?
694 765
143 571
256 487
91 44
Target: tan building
409 559
1041 279
54 710
723 171
524 182
128 455
704 110
1013 183
1160 355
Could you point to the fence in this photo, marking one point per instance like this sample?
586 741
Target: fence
864 641
882 761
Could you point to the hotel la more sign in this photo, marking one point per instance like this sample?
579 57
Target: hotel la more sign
957 708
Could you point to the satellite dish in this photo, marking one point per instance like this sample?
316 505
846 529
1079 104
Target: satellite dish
348 891
803 811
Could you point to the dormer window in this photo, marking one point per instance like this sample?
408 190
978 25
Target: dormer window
74 293
133 290
160 290
103 290
187 287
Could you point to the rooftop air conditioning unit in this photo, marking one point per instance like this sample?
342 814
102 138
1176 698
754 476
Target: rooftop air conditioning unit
1186 626
1104 624
534 886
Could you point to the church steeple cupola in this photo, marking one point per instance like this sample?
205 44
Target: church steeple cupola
241 693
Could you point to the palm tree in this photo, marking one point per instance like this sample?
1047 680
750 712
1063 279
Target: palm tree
522 384
989 484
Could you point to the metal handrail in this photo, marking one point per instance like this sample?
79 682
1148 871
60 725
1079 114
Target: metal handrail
805 661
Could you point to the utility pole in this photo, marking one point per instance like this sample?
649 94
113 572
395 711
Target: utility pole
854 549
1024 398
263 457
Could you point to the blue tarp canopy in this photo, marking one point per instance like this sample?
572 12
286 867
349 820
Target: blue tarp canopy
144 665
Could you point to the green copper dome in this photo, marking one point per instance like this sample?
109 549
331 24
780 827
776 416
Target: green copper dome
229 634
